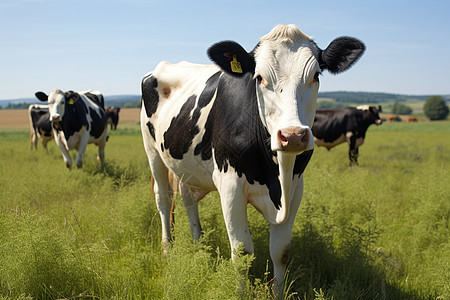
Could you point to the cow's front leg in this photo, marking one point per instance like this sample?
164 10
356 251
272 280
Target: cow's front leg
353 151
234 209
84 139
280 240
62 148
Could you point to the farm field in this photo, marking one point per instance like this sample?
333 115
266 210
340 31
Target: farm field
376 231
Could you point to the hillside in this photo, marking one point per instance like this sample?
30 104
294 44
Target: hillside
341 98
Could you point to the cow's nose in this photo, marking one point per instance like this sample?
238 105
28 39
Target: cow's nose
293 139
55 118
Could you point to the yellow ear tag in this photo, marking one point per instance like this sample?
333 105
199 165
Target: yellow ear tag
70 101
235 65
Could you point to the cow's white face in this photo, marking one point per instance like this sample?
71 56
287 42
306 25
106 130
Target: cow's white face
287 86
56 103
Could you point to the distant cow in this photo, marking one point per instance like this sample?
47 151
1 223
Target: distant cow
336 126
241 127
392 119
112 116
78 119
40 125
412 119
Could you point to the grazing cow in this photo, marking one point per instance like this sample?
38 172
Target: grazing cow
336 126
40 125
412 119
391 119
241 127
112 116
78 119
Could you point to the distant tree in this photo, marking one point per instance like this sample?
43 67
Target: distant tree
401 109
330 104
435 108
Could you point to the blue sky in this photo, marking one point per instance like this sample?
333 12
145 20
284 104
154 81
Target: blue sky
110 45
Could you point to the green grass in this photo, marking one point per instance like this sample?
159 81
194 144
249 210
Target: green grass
376 231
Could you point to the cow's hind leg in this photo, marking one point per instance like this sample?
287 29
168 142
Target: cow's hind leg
33 140
162 196
101 152
190 200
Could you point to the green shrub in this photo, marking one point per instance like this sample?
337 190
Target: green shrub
435 108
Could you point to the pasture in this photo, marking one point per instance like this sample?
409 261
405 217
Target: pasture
376 231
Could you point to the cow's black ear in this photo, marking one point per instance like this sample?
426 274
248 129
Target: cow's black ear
379 108
41 96
72 97
341 54
232 58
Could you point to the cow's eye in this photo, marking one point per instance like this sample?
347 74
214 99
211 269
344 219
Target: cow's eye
316 76
259 78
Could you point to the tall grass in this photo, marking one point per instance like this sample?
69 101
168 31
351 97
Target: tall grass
376 231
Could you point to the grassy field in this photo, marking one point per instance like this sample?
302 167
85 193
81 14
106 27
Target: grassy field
376 231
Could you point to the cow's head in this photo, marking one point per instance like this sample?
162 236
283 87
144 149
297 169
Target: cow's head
286 65
57 101
372 113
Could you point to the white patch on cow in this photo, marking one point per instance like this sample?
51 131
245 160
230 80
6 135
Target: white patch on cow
74 140
363 107
329 145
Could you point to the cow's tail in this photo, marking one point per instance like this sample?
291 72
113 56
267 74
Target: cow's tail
33 133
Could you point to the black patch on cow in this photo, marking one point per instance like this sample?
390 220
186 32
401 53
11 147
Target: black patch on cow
98 99
239 139
151 129
98 122
183 128
150 95
74 116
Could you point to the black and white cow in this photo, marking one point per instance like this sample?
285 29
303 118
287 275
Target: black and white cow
241 127
112 116
40 125
78 119
336 126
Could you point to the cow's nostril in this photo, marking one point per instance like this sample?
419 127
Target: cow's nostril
281 136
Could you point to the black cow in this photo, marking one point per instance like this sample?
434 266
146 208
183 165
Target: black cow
40 125
112 116
78 119
241 127
336 126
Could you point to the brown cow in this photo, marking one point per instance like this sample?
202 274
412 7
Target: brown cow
391 118
412 119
